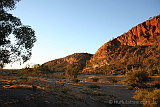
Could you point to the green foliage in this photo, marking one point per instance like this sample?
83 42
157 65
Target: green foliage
137 78
41 69
20 48
149 99
8 4
72 70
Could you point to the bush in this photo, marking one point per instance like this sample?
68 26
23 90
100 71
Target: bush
24 77
95 79
72 70
156 83
65 89
157 86
75 80
40 69
148 99
137 78
112 80
152 72
26 70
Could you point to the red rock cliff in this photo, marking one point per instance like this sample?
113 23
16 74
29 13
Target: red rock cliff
133 42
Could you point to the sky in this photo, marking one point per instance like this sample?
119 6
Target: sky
64 27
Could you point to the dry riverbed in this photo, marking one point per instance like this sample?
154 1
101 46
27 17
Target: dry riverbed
53 90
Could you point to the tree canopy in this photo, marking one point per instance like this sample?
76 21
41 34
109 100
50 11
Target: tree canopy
16 39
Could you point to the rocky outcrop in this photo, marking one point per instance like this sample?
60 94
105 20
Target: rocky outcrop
137 41
61 64
142 34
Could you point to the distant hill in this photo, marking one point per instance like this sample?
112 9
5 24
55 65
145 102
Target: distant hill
61 64
137 48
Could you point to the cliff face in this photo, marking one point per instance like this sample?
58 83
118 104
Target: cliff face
142 34
139 40
61 64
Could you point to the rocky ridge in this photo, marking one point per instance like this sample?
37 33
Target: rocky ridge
138 41
139 47
61 64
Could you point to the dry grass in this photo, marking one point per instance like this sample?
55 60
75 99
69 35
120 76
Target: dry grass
17 86
84 92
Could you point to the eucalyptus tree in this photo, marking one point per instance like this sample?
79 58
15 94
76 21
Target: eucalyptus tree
16 39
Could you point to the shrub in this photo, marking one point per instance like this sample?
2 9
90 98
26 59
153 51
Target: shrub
65 89
24 77
47 86
75 80
156 83
58 75
157 86
72 70
112 80
137 78
26 70
148 99
152 72
95 79
40 69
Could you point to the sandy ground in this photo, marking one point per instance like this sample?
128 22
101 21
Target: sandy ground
58 92
25 98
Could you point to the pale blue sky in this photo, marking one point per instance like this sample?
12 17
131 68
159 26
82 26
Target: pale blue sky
64 27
